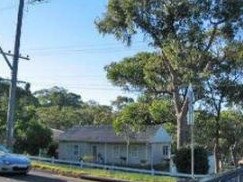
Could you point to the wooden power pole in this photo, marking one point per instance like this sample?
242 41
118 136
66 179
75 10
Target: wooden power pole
14 71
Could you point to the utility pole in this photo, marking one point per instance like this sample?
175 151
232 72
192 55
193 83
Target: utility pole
14 71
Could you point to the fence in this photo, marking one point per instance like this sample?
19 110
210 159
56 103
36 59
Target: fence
118 168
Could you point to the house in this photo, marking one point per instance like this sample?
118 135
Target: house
149 146
56 134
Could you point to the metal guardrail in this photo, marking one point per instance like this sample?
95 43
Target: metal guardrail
118 168
235 175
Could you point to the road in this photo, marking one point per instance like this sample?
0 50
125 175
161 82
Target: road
37 176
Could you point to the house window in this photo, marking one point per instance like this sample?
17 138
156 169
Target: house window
165 150
116 151
134 151
75 149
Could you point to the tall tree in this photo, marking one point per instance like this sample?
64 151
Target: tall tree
27 129
121 101
59 118
32 136
94 113
184 31
58 96
229 134
225 78
232 134
131 119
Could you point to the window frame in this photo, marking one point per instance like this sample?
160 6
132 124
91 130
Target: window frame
165 150
75 149
116 151
134 150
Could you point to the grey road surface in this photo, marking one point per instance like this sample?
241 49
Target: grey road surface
37 176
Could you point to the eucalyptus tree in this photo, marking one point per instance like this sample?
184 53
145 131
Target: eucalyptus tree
223 86
186 34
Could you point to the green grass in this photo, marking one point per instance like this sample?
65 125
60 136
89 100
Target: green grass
78 172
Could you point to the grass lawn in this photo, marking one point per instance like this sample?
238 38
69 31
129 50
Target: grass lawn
78 172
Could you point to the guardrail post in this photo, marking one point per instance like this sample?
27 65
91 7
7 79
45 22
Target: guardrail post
239 178
81 164
152 172
52 160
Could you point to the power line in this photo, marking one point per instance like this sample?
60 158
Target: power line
92 87
89 88
93 50
71 76
107 51
8 8
80 46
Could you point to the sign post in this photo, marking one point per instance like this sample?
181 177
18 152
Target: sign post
190 121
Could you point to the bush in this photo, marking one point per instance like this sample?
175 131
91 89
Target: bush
52 149
87 158
183 160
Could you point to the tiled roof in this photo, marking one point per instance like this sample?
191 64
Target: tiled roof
106 133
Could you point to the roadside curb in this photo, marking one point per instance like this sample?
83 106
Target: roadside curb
93 178
87 177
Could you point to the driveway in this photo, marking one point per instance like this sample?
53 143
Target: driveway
37 176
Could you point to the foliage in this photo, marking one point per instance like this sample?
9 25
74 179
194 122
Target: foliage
54 108
58 96
162 111
58 118
135 115
204 129
32 136
52 149
3 109
87 158
187 33
121 102
94 113
159 20
183 160
61 109
232 134
226 73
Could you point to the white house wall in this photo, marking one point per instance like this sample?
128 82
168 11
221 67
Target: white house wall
66 150
106 151
115 158
156 153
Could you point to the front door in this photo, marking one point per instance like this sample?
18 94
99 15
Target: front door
94 153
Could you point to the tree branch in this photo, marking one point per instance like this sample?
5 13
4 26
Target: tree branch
212 37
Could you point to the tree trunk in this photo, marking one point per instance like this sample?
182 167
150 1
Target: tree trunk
216 154
216 151
216 145
127 153
181 105
182 132
233 155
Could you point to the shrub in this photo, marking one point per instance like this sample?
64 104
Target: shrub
88 158
183 160
52 149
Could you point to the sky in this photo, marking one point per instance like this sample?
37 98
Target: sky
65 48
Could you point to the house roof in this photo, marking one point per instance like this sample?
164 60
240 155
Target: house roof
56 134
106 134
